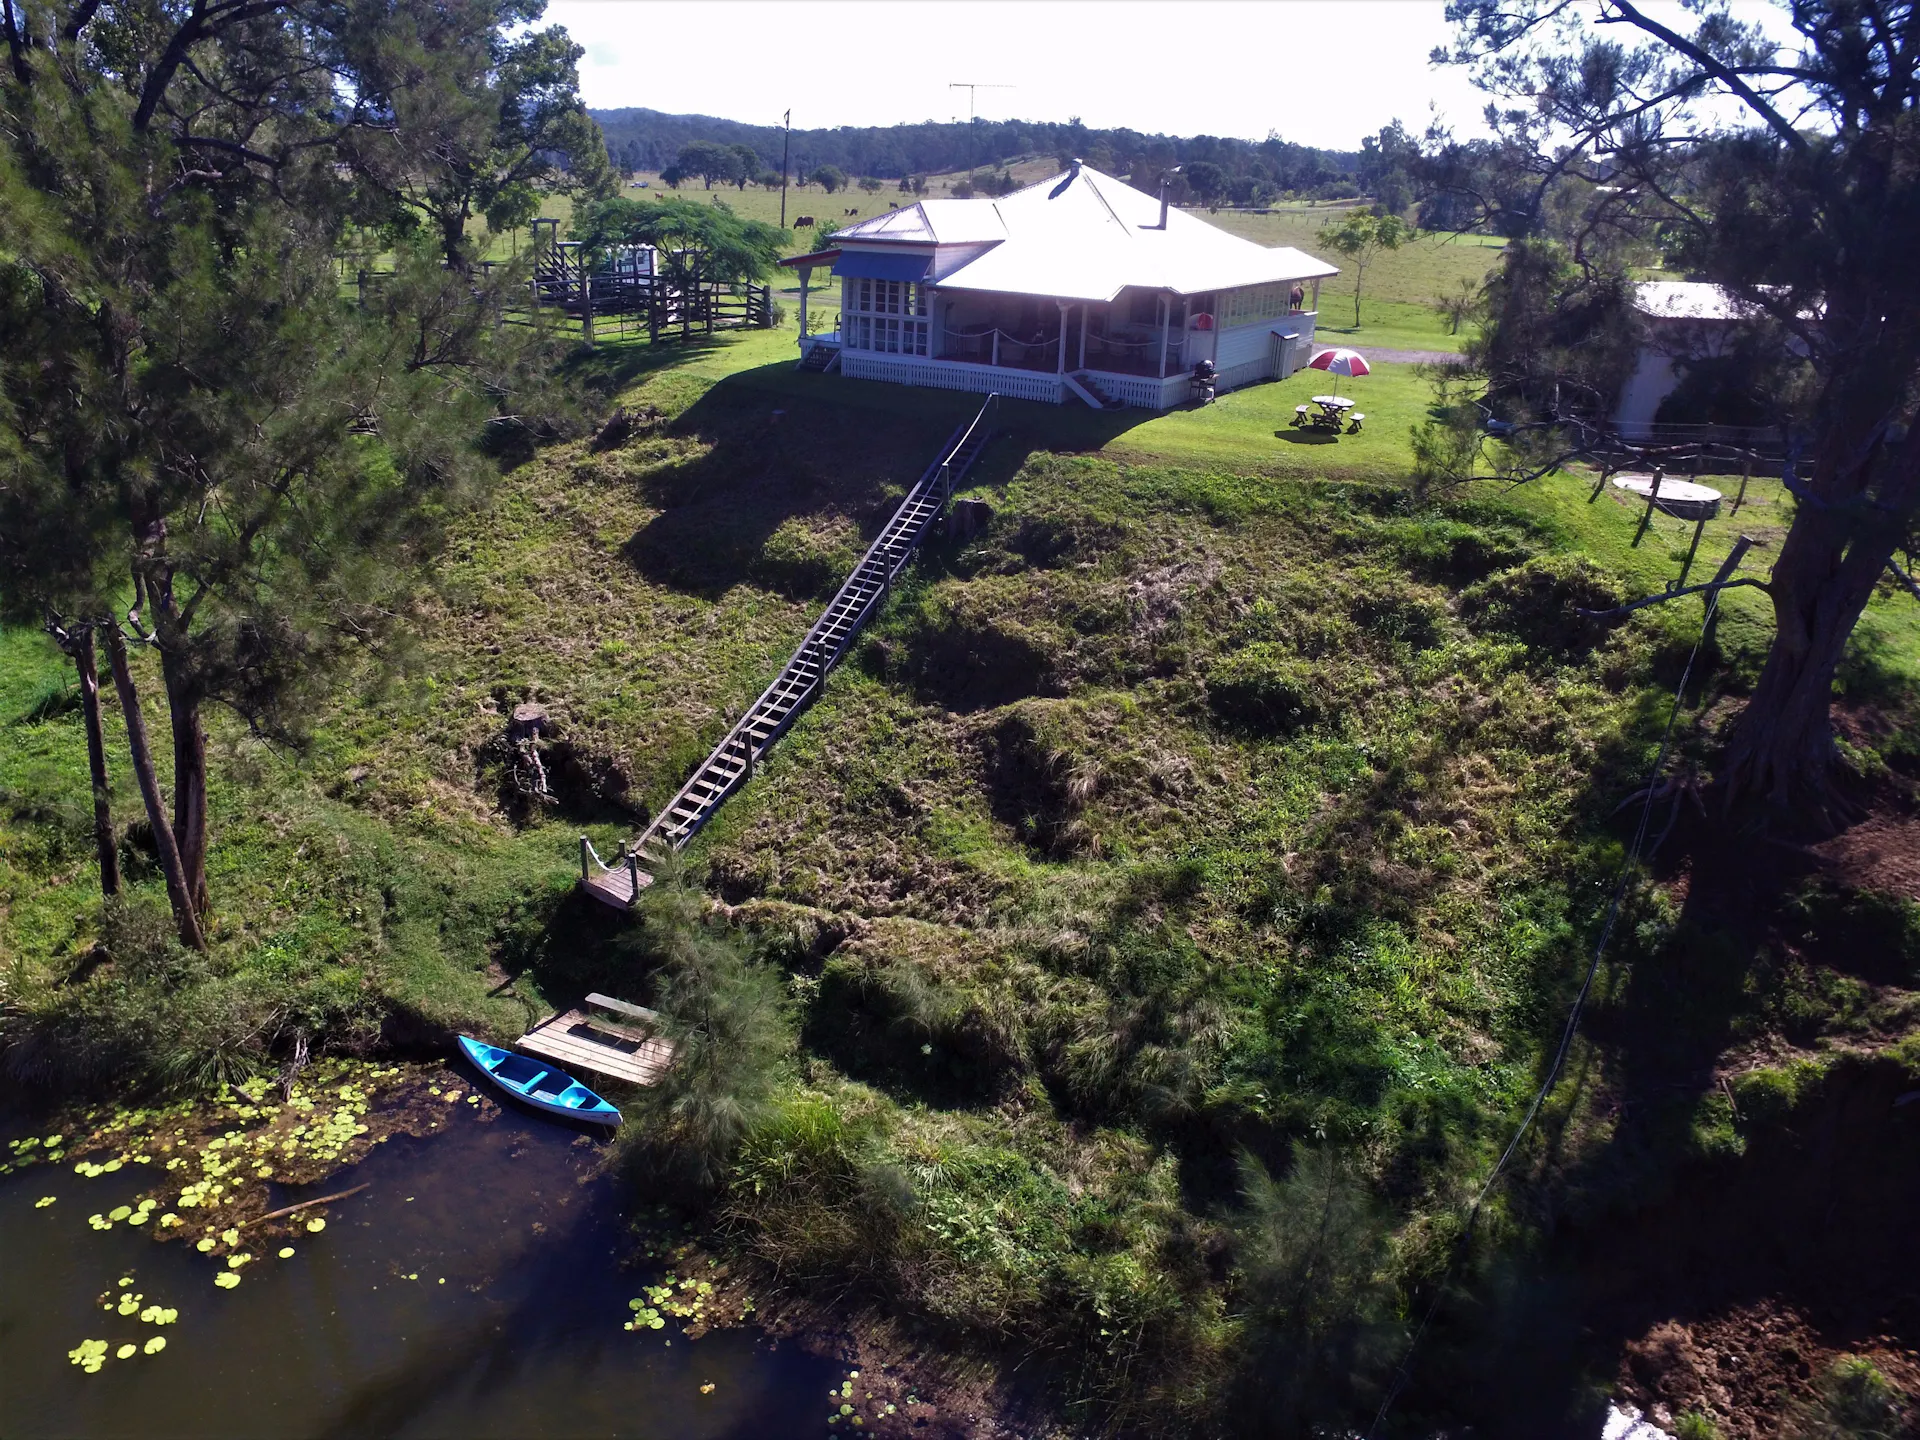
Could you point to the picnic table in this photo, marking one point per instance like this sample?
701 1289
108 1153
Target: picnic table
1331 415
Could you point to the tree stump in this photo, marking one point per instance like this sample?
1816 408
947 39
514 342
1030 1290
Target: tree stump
968 518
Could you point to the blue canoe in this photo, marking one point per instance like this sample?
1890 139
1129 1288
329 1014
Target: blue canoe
538 1083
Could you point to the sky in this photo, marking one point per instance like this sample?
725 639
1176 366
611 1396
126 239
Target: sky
1317 72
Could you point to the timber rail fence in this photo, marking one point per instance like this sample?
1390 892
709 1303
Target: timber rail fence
616 298
798 684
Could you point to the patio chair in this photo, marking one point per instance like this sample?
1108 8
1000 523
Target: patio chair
1354 421
1300 413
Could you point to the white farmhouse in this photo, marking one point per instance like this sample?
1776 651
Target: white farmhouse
1079 287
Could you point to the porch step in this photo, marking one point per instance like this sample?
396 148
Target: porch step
1090 391
819 358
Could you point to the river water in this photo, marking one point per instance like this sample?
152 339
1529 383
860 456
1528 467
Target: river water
475 1289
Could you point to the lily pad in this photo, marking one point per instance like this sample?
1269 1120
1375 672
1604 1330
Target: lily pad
155 1344
119 1212
44 1201
314 1227
286 1252
226 1279
126 1352
204 1245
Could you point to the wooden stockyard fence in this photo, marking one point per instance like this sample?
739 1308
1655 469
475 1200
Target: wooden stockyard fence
622 295
798 684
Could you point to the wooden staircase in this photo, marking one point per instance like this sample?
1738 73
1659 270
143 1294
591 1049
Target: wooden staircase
732 762
820 358
1089 390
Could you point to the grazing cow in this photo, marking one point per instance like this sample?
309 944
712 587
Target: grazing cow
805 222
854 211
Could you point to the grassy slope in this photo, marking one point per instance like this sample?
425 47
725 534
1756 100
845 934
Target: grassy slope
1188 809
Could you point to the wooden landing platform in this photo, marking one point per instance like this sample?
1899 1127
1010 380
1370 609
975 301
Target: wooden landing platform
573 1040
614 887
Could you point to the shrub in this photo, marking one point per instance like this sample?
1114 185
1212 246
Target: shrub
1695 1425
726 1013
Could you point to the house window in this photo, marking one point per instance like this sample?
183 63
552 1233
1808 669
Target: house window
1255 303
887 316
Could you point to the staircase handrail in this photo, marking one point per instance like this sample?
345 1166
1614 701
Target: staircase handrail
939 472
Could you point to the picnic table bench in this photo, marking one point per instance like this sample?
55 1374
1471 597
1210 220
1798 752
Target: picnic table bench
1331 414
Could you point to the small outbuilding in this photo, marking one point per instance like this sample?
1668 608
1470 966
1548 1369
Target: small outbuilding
1077 288
1681 322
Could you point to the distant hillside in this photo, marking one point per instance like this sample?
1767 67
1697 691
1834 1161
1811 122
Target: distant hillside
1238 171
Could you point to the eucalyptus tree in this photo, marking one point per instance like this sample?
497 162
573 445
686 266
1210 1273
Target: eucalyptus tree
245 469
472 112
1780 158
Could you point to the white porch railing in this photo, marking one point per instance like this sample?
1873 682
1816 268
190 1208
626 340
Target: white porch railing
952 375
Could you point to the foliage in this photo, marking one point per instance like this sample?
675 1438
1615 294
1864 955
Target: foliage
1363 235
271 515
1258 170
710 162
828 177
1694 1425
709 241
481 112
1855 1402
1318 1313
725 1014
1785 171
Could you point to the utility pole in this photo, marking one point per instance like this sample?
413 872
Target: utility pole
786 149
971 87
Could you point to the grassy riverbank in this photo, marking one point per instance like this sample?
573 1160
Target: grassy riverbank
1175 897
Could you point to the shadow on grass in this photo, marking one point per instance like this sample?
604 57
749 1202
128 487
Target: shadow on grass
1689 1198
772 444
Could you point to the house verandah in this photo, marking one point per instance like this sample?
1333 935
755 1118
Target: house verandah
1071 289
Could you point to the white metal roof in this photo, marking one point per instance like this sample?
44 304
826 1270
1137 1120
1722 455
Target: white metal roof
1082 236
1688 300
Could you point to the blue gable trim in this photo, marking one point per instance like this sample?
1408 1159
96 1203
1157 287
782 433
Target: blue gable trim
870 265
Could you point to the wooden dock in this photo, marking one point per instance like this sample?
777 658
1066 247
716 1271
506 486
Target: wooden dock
582 1040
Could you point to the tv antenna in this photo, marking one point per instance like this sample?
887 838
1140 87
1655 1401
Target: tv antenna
970 86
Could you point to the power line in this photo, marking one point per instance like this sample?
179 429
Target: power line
1402 1372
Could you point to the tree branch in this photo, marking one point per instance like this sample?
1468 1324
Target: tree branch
1666 595
1776 122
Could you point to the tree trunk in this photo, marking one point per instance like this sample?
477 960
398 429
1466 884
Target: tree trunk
185 917
103 836
189 784
1843 534
453 239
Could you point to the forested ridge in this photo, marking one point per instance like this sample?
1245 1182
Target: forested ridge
642 139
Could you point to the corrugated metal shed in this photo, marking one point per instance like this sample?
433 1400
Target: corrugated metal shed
1081 236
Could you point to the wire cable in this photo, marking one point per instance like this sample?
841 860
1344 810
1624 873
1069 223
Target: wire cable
1402 1372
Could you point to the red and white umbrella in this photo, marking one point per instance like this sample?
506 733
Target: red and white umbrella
1340 362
